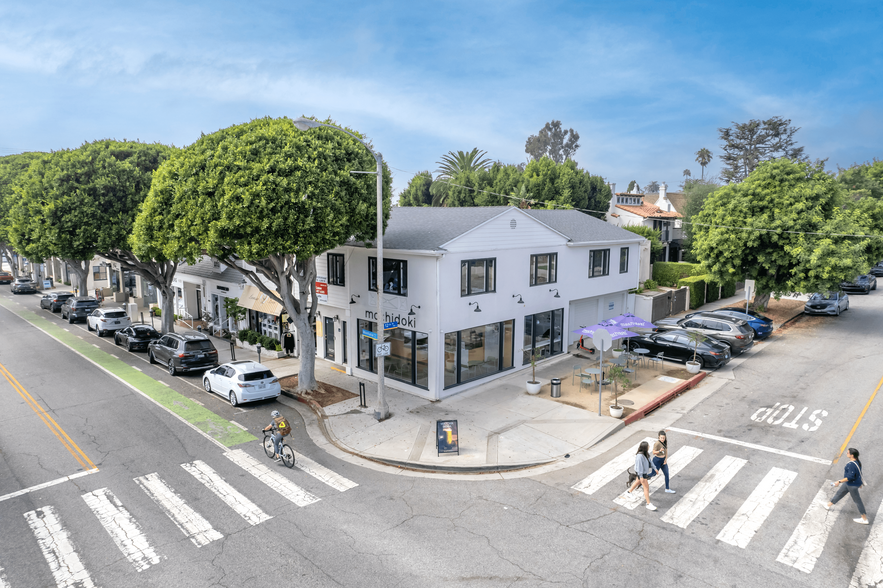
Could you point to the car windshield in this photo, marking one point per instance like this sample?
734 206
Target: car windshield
115 314
146 332
826 296
254 376
202 345
64 296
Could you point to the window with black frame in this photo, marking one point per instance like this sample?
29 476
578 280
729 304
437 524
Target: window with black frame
543 269
478 352
336 269
395 276
599 262
408 359
624 260
478 276
542 335
99 272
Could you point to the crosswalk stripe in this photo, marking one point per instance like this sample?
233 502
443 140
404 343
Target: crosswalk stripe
323 474
65 564
694 502
614 468
274 480
244 507
676 462
191 523
755 510
122 528
869 569
808 539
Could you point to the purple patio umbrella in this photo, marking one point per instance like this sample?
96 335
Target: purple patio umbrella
616 331
630 321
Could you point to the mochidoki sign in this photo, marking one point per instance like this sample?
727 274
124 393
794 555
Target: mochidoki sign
403 321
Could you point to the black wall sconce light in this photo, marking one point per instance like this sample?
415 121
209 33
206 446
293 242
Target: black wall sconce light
477 309
352 298
555 290
519 301
411 312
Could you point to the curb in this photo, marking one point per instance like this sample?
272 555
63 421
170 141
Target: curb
662 399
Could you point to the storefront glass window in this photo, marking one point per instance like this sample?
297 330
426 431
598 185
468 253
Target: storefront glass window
450 359
478 352
542 335
408 360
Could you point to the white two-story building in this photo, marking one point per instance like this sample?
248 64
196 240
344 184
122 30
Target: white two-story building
476 292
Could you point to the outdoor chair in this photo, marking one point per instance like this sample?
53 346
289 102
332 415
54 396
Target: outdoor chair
658 360
587 380
576 371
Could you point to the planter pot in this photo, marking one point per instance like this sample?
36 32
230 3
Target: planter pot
616 412
265 353
616 353
534 387
693 367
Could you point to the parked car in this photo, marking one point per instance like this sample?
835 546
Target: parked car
105 320
734 332
675 345
242 381
23 286
863 283
829 303
78 308
54 300
6 277
136 337
762 327
183 353
752 313
877 270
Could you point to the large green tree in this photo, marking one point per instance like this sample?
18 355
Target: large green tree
696 192
417 193
652 235
12 167
554 142
265 199
785 226
746 145
861 180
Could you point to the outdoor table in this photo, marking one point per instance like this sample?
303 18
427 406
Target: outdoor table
594 372
642 352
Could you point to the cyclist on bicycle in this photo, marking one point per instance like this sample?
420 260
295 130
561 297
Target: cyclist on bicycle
281 429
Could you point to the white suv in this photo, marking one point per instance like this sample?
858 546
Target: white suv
242 381
105 320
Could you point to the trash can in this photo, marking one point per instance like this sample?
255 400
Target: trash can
556 387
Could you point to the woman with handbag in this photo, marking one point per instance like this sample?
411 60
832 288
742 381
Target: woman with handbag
644 469
852 478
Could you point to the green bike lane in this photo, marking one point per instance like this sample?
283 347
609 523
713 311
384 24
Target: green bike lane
218 429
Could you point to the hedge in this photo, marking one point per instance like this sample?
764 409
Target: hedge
667 273
697 289
728 289
712 290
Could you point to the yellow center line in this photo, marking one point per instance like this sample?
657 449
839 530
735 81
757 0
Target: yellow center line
49 421
860 417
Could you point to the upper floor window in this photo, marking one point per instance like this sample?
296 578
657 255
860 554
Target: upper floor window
395 276
624 260
543 269
478 276
599 262
335 269
99 272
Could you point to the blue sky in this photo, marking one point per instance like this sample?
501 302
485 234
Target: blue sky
645 84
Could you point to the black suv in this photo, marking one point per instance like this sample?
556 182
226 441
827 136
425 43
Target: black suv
78 308
183 352
55 300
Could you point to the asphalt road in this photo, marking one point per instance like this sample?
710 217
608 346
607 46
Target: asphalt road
364 527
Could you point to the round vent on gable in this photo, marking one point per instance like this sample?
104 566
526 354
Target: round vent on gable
512 224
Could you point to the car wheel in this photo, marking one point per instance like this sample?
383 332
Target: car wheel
116 339
70 319
207 385
88 326
101 333
838 311
128 347
172 370
150 357
233 400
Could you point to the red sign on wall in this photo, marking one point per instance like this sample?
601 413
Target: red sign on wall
322 289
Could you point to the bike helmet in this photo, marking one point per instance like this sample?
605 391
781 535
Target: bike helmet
275 414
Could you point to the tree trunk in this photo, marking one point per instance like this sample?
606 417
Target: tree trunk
80 269
160 274
7 251
168 308
761 301
306 378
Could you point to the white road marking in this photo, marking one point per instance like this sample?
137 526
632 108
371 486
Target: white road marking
243 427
755 510
66 329
191 523
65 564
3 582
869 569
676 462
232 497
323 474
122 528
808 540
614 468
47 484
694 502
753 446
201 404
163 383
136 368
274 480
113 356
78 337
94 345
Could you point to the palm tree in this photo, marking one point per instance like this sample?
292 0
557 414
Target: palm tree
453 163
703 158
688 173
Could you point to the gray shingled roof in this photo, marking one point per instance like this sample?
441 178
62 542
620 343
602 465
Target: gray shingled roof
205 268
428 228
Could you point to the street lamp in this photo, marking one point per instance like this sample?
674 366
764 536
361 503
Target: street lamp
381 412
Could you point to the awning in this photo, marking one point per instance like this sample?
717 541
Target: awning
254 299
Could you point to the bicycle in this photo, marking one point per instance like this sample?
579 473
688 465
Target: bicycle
286 452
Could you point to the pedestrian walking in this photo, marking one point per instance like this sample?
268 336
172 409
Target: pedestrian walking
851 482
644 470
288 342
660 458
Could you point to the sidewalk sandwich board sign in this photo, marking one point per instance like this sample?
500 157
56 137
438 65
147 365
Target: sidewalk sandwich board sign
446 439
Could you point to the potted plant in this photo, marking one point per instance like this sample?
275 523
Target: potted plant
617 351
533 386
694 366
616 374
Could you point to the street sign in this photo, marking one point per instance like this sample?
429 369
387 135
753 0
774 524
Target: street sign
382 349
369 334
392 325
602 339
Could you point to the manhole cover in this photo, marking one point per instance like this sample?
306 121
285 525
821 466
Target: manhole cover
626 402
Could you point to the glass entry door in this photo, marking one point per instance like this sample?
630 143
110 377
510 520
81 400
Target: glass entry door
542 335
329 338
